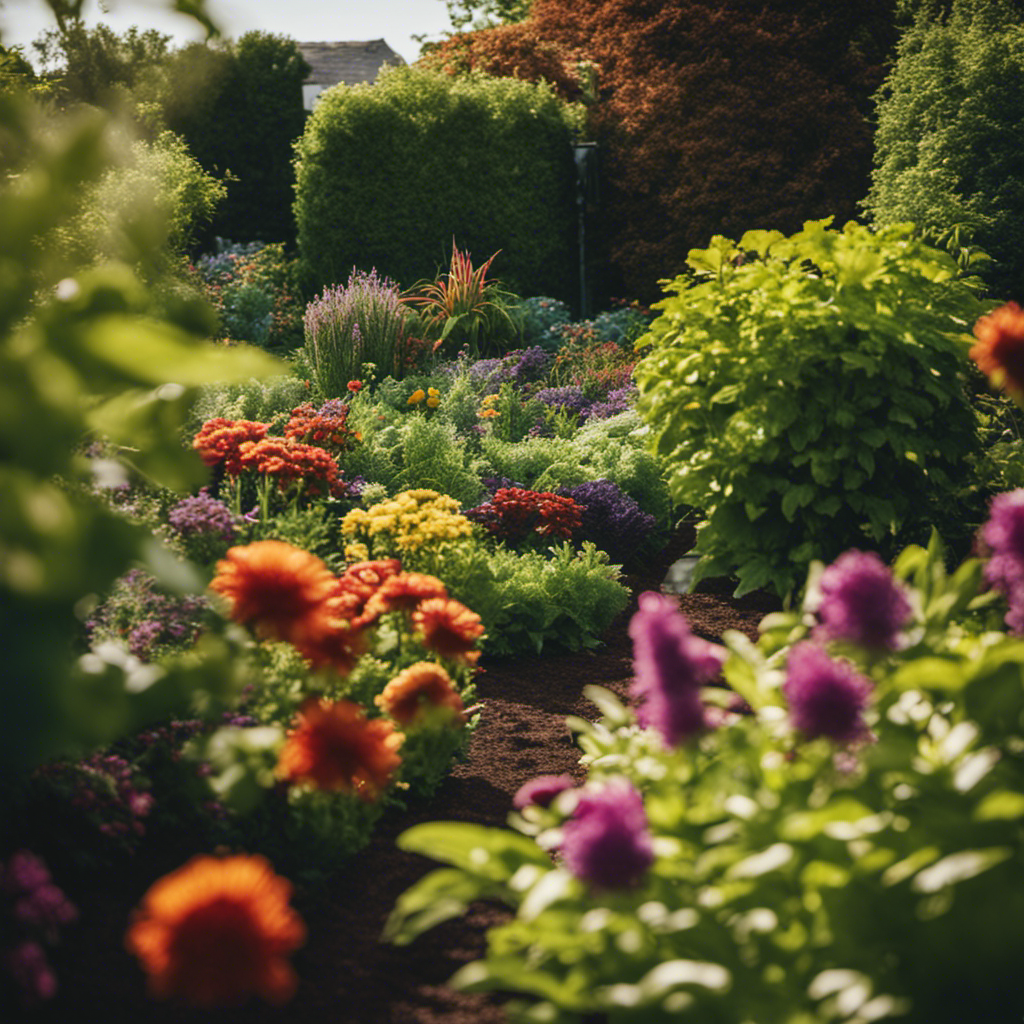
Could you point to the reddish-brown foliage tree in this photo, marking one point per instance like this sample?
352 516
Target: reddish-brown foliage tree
715 116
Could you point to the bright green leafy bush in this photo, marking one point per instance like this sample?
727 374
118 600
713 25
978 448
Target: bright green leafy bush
388 174
810 398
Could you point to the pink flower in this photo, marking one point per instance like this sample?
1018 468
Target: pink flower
541 790
862 602
826 697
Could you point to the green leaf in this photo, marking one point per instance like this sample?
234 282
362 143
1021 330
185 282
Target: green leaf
491 853
517 974
1000 805
959 867
437 897
931 673
860 361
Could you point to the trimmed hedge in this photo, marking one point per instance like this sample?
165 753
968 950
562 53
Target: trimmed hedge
389 174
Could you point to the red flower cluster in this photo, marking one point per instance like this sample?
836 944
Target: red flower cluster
514 513
221 440
325 427
289 461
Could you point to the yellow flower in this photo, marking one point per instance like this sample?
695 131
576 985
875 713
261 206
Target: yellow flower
357 553
433 401
416 397
433 392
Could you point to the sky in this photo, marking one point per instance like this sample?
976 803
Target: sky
306 21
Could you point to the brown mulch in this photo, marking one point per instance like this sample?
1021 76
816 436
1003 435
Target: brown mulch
347 975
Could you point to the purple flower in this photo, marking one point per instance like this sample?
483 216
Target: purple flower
860 601
541 790
826 697
25 872
202 514
620 400
47 908
1003 535
670 664
611 519
27 966
607 842
569 398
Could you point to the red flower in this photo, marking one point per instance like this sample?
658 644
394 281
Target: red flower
216 931
416 690
334 746
403 593
355 386
220 440
999 351
449 628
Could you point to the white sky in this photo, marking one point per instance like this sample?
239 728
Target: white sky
306 21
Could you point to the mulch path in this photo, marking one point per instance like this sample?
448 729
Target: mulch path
347 975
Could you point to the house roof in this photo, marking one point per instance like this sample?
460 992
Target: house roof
351 62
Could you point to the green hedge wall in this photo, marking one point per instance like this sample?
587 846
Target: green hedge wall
387 175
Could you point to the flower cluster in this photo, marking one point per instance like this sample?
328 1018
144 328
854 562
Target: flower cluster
610 518
36 910
861 602
596 367
409 521
514 513
487 410
1002 536
999 349
216 931
618 400
420 691
219 441
671 665
287 463
568 398
325 426
203 526
827 697
148 622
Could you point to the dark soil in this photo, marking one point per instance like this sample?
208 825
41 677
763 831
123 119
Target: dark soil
347 975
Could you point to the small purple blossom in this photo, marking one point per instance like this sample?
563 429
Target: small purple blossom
619 400
569 398
541 790
607 841
46 909
611 519
826 697
28 968
202 514
861 602
25 872
1003 536
670 665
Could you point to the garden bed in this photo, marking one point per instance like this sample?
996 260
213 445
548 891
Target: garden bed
346 973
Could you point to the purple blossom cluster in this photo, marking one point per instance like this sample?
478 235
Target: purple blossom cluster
607 841
203 526
519 367
619 400
670 665
1002 538
569 398
611 519
826 697
145 620
35 911
861 602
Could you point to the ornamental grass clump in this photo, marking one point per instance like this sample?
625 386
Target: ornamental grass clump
810 397
351 325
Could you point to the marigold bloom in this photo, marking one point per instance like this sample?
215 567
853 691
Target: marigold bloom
860 601
607 841
449 628
220 440
416 397
433 401
335 746
279 588
826 697
999 350
216 931
418 689
403 593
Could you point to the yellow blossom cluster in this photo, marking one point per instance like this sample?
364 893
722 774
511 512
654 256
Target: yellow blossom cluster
487 410
405 523
432 395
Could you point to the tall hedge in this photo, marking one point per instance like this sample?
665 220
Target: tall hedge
712 115
948 148
388 174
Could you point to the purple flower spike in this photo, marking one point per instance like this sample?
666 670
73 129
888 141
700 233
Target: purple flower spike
1003 535
862 602
541 790
826 697
607 841
670 664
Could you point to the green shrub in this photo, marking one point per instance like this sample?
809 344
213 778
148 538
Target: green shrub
265 401
946 152
388 174
811 399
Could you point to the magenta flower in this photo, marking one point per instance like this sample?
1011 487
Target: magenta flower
1003 535
607 842
862 602
670 665
541 790
826 697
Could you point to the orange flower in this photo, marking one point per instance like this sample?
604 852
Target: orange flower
999 351
402 592
334 746
221 440
216 931
339 643
449 628
280 588
360 582
418 688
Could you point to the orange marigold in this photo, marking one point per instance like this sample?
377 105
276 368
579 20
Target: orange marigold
402 593
335 746
216 931
418 689
279 588
362 580
448 627
220 440
999 351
